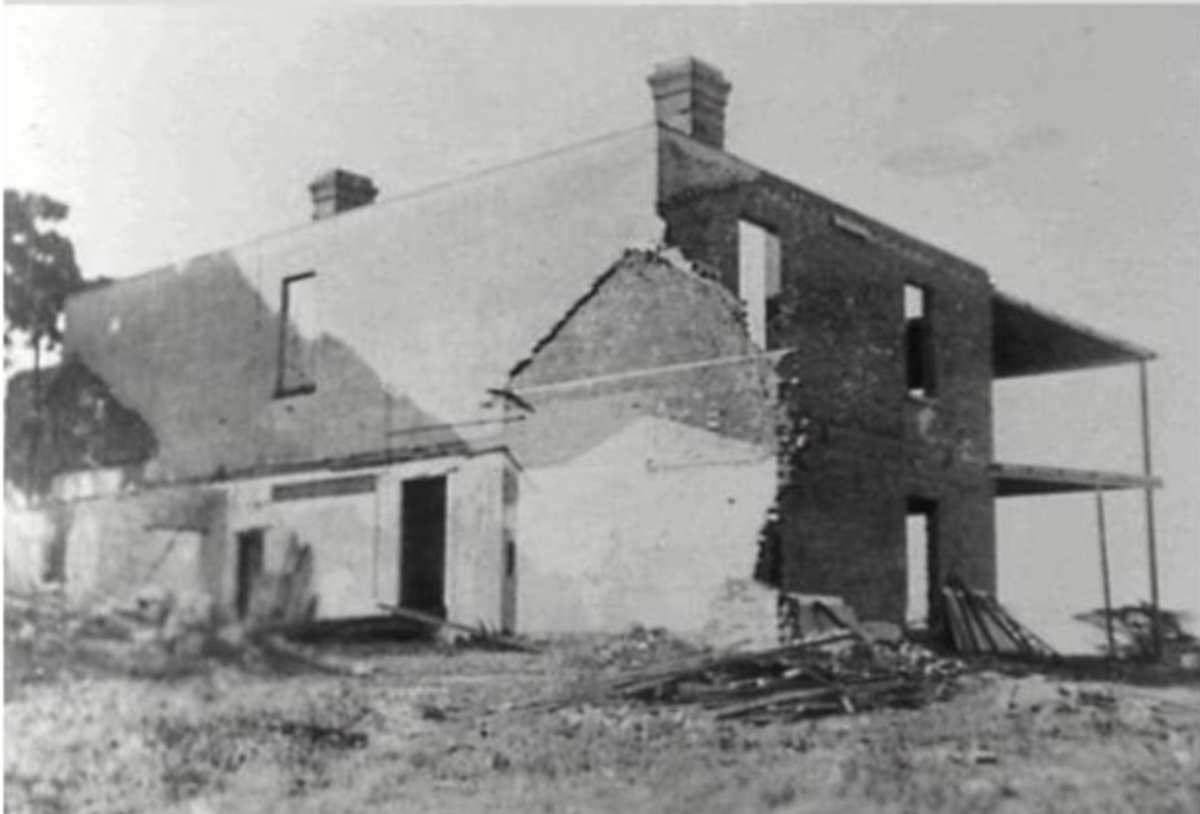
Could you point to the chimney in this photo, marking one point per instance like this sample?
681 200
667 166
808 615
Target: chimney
689 96
339 191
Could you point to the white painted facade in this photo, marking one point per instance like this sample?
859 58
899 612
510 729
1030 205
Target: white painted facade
645 528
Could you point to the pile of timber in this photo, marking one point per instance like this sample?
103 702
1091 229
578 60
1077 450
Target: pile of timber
838 673
978 624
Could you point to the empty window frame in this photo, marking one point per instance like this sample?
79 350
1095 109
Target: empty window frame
297 317
919 359
759 278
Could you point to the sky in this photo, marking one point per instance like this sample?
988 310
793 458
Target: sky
1055 146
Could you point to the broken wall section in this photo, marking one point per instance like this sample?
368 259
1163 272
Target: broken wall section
649 447
839 328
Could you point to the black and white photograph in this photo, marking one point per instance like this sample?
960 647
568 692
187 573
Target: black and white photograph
563 409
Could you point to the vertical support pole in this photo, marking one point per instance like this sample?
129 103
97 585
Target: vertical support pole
1104 573
1151 541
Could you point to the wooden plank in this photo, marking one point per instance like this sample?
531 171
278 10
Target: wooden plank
1151 534
959 623
793 696
1106 580
979 617
997 614
957 637
477 634
1034 642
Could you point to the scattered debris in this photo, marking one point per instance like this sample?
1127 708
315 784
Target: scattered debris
837 673
158 632
640 647
452 632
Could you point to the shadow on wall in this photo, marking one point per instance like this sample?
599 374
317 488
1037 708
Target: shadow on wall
198 352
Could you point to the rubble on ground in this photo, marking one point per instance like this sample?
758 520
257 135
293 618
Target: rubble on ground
641 647
839 672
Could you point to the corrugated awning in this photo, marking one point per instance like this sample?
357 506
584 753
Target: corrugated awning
1018 480
1027 341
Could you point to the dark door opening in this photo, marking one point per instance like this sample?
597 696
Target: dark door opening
423 545
921 546
249 566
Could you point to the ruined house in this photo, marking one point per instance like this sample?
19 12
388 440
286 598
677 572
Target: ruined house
576 392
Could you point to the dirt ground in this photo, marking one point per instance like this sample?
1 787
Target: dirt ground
443 730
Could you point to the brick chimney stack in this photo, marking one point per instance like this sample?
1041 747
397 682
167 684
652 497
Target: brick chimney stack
339 191
690 96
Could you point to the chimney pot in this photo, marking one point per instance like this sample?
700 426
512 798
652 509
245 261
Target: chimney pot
339 191
690 96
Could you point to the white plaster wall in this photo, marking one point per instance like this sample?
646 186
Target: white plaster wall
85 546
475 541
645 528
476 254
89 483
343 534
28 535
355 538
180 566
115 546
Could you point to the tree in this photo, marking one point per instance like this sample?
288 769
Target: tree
40 272
81 425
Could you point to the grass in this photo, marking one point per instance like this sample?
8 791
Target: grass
444 731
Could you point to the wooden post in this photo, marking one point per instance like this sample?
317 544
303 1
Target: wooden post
1108 620
1151 541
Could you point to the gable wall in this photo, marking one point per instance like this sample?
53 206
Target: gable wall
649 457
422 303
652 340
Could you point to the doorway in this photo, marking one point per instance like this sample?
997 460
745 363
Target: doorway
920 536
249 567
423 545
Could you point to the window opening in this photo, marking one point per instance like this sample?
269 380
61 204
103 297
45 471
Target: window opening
297 329
918 341
759 278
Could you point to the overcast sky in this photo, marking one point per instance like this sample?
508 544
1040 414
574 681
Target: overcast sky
1056 147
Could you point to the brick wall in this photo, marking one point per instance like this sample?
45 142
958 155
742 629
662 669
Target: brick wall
869 446
652 340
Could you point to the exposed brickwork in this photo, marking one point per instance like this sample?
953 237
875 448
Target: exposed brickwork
651 340
868 445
